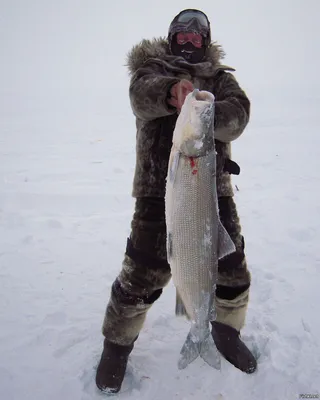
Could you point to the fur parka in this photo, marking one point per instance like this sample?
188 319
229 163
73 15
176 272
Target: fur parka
153 70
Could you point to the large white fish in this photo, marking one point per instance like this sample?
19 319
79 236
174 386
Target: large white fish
196 239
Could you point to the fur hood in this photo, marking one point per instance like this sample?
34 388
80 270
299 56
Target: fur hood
159 48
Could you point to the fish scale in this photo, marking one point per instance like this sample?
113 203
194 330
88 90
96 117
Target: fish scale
192 225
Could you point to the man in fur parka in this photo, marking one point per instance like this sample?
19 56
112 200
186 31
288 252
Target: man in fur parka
163 72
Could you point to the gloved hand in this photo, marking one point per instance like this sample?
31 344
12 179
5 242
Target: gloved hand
179 92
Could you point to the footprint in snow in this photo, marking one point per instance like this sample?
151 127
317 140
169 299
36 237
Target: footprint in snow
294 342
303 235
269 276
55 319
306 326
28 239
258 345
69 340
54 224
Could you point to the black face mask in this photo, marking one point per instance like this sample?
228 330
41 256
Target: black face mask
188 51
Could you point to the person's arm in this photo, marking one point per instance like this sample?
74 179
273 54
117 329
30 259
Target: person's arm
232 108
150 91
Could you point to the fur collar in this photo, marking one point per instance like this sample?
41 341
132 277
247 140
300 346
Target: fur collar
159 48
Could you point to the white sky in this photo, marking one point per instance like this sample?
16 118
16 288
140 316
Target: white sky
67 44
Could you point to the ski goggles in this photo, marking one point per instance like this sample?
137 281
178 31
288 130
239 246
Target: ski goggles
188 16
190 21
194 38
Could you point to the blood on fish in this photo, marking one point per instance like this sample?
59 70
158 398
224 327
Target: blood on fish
193 166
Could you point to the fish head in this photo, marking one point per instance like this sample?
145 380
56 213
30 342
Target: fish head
193 133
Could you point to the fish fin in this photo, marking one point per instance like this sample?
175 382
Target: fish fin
189 352
180 308
225 243
209 352
174 162
213 311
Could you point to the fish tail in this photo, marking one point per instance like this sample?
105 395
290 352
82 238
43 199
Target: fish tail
189 352
209 352
225 243
206 349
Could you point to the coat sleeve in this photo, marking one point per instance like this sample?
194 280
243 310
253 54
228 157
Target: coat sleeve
149 91
232 108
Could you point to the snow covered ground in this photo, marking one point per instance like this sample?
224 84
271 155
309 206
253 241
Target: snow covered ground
67 141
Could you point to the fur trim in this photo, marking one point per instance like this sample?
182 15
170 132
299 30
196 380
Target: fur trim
159 48
233 312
